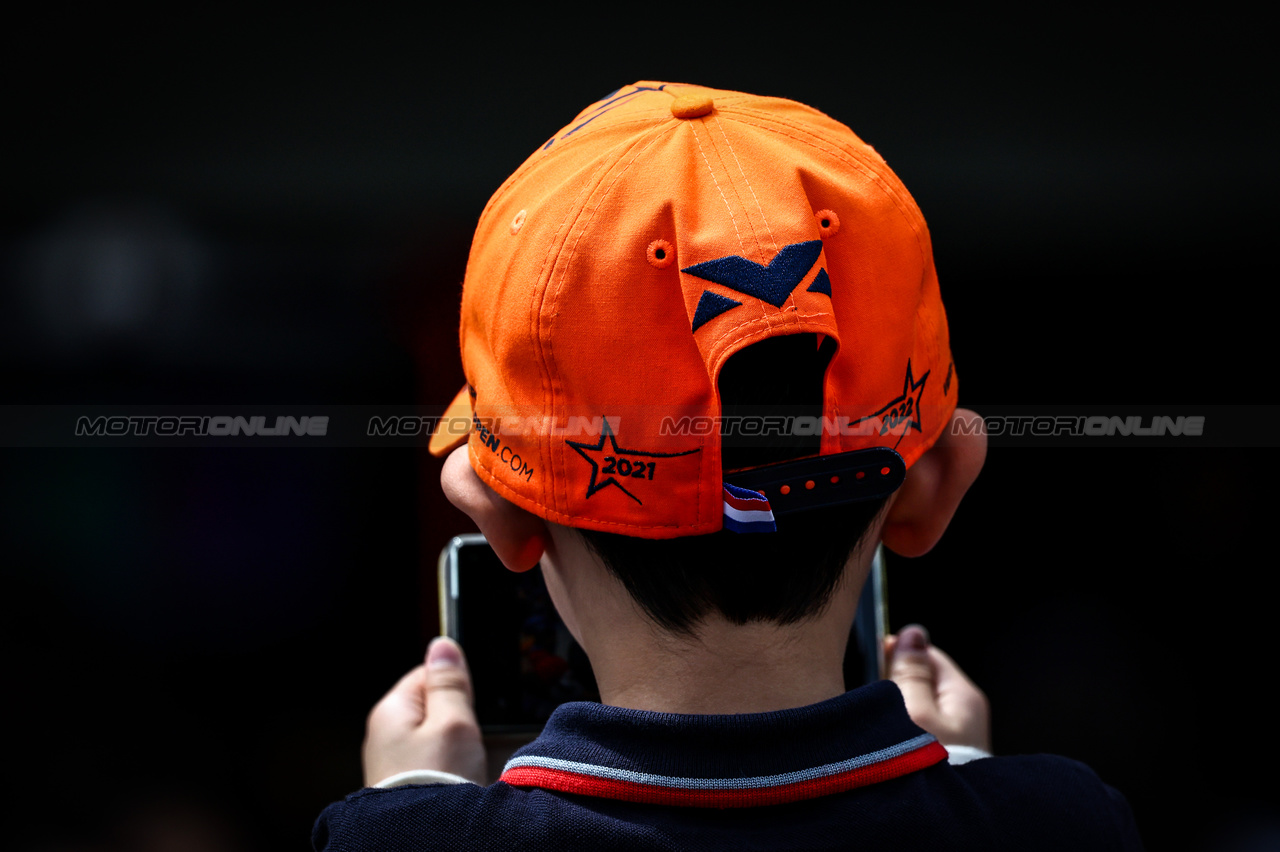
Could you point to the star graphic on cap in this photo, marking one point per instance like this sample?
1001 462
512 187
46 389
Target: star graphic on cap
903 410
606 432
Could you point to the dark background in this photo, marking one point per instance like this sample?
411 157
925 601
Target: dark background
276 211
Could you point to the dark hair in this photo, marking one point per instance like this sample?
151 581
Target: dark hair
783 577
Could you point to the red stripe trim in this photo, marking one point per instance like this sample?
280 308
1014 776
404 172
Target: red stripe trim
758 503
747 504
629 791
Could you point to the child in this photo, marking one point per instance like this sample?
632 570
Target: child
708 371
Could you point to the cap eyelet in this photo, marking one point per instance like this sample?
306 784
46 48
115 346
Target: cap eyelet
660 254
828 222
518 222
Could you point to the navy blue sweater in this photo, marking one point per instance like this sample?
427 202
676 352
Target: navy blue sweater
850 773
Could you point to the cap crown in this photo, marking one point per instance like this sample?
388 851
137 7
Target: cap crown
662 230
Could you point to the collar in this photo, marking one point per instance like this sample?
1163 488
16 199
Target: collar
862 737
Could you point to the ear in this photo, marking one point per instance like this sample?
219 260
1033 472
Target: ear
922 508
518 537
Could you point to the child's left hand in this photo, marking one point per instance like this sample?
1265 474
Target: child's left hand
427 721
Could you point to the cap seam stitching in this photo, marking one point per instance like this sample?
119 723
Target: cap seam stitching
745 179
759 207
560 492
538 157
893 189
755 236
543 352
854 147
716 183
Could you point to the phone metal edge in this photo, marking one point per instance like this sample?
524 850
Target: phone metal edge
447 581
881 609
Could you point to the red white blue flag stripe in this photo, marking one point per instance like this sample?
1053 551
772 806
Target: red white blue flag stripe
747 511
570 776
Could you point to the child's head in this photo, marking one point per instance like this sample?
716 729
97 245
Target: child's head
682 287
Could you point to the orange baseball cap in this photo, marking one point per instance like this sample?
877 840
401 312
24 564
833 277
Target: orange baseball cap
664 229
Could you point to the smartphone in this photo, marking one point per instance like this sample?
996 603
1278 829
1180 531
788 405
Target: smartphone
525 663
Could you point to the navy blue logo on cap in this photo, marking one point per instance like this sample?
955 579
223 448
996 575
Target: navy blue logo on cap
902 412
616 463
605 104
772 283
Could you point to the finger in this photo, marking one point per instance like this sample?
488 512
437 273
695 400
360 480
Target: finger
953 685
949 675
913 637
912 670
962 703
448 682
404 705
947 669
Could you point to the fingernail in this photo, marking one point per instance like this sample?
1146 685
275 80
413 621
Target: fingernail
443 652
913 637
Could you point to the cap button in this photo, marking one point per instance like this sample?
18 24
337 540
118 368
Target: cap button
691 106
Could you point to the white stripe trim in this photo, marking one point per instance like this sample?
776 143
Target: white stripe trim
723 783
748 516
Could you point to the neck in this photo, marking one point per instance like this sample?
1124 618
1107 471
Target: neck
723 668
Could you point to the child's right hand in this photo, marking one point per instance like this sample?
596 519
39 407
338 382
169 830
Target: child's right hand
940 698
427 721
